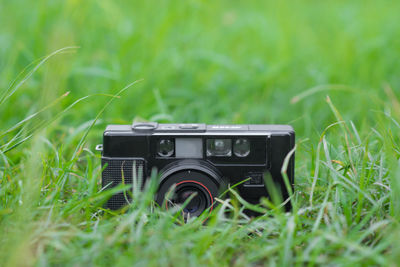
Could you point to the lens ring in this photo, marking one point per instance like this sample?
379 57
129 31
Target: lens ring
165 148
200 173
241 147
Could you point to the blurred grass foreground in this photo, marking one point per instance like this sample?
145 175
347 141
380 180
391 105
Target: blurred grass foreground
329 68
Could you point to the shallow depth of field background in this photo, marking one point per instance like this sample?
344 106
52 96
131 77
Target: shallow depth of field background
329 68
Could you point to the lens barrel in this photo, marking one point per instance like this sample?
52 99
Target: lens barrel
192 185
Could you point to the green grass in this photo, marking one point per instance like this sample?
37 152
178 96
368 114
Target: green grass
329 68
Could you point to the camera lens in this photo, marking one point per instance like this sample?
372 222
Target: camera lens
192 181
219 147
165 148
241 147
197 203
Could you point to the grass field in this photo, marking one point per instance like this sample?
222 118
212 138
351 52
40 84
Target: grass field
329 68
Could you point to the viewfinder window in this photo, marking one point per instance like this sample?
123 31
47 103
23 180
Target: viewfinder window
219 147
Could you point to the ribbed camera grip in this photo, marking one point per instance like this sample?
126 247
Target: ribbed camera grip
114 171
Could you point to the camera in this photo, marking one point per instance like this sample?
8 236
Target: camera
196 162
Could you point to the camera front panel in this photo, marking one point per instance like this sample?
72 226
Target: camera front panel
232 156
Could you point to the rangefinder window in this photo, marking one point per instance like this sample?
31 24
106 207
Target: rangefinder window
219 147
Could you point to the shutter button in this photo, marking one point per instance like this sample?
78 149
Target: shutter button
188 126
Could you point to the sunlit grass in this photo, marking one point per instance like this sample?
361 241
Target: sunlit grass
328 68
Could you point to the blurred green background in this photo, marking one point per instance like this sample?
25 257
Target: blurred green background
203 61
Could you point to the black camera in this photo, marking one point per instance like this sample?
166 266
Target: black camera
196 162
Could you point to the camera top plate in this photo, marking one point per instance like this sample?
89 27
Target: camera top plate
182 128
154 128
170 127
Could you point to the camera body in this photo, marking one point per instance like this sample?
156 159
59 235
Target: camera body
196 161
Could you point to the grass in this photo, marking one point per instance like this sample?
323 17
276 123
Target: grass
329 68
